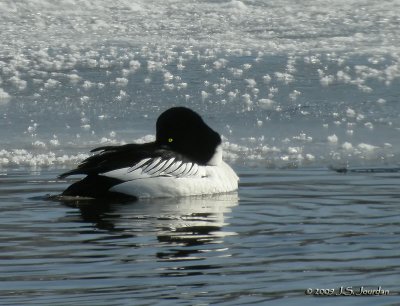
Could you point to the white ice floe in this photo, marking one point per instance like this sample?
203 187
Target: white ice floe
4 96
332 139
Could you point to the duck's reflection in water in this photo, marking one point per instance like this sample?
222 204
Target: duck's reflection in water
189 224
185 228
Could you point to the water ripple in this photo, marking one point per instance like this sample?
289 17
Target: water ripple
285 231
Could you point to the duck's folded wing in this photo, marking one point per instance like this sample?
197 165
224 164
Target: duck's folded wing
167 165
135 161
114 157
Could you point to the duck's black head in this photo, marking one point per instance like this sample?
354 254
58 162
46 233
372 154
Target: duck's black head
184 131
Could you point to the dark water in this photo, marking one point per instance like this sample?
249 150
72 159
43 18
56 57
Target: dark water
283 232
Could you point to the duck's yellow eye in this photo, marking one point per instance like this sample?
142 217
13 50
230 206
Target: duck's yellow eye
170 140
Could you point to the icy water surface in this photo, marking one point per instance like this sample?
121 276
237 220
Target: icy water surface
295 88
285 232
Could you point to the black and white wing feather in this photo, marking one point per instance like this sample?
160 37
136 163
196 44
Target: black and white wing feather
135 161
158 167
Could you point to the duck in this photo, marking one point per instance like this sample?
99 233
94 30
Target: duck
184 160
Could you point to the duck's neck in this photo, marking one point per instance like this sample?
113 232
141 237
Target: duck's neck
216 159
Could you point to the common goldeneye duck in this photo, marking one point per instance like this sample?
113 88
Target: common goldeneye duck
185 159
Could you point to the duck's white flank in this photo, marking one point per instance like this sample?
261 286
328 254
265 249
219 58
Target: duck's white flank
174 178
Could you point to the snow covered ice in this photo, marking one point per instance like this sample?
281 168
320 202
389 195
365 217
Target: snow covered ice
73 71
